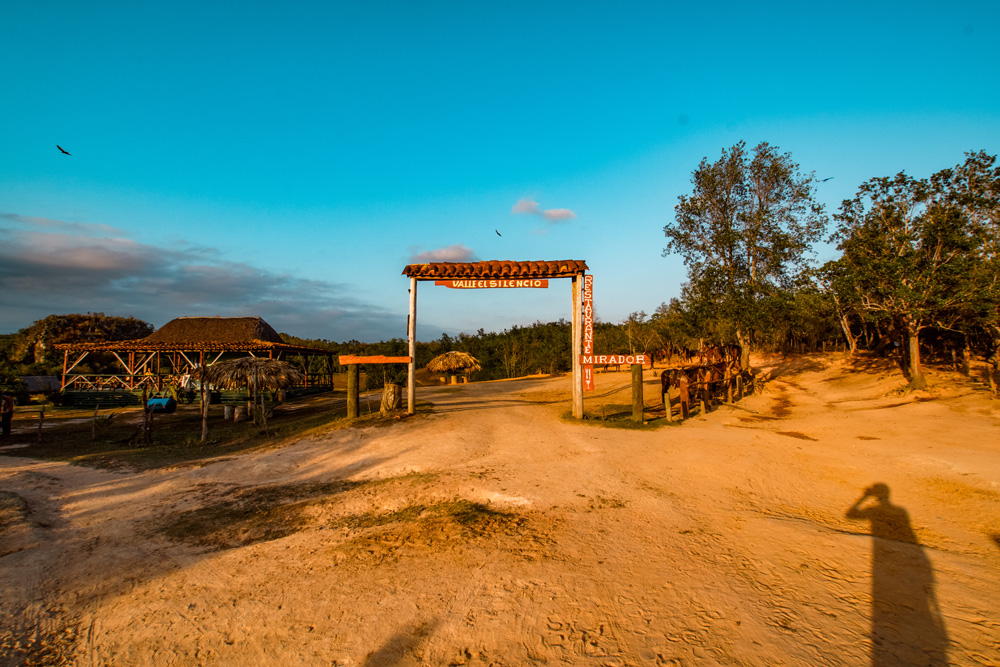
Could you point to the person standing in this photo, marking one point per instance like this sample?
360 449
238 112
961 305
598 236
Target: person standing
6 412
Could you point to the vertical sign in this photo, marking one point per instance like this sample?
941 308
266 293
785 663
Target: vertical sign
588 330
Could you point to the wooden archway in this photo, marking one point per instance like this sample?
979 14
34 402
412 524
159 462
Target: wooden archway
497 274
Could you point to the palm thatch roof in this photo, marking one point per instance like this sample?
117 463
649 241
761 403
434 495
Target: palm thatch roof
220 329
453 362
233 334
254 373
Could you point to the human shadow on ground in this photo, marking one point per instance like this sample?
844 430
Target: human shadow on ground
907 627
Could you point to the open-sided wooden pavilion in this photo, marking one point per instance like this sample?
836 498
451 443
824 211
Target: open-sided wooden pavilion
172 354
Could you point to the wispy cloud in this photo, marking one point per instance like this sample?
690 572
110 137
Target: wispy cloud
61 225
452 253
55 267
529 206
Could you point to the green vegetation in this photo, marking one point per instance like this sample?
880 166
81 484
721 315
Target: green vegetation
918 279
115 443
919 273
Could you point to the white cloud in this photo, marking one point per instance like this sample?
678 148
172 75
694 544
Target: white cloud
61 225
53 267
526 205
452 253
530 206
558 214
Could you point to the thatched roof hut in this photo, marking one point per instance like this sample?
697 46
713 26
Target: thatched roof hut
453 362
217 329
254 373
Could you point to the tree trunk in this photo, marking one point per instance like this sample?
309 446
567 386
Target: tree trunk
917 379
852 341
744 352
392 397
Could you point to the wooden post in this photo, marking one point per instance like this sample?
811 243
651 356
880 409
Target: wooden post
685 395
65 364
205 397
353 400
411 367
577 336
637 405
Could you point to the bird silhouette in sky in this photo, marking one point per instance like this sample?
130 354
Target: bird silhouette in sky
498 233
65 152
824 180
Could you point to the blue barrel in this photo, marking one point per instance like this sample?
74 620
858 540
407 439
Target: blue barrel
166 405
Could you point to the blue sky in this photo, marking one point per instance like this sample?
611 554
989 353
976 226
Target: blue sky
289 159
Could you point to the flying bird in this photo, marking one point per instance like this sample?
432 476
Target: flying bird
498 233
65 152
824 180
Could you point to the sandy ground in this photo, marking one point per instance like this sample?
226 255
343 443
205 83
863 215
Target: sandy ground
494 532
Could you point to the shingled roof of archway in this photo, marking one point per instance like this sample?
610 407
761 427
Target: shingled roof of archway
494 269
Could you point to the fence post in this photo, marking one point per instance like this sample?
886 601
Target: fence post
353 377
637 392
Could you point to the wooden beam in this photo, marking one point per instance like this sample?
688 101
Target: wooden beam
350 359
577 336
411 334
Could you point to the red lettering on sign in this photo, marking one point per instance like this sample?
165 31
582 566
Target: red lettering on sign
613 359
588 330
488 284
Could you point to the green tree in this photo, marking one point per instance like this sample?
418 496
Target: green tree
908 260
745 232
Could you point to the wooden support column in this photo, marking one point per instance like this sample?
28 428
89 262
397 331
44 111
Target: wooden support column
65 364
577 335
353 393
637 402
205 398
411 367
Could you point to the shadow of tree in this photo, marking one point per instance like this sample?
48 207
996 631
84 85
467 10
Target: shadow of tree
907 627
793 365
396 648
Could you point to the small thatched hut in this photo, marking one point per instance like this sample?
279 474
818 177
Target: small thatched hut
453 363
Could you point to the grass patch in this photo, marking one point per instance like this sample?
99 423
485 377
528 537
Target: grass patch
475 519
250 515
69 434
614 417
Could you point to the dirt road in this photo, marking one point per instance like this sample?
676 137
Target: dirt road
493 532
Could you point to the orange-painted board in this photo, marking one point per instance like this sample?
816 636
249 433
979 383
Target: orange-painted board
487 284
348 359
612 359
588 330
